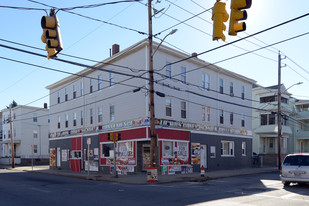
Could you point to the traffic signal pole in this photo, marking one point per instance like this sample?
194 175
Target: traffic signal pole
279 111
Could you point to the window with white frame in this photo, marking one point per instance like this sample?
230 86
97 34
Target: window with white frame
74 119
183 76
35 134
242 120
58 99
90 85
242 92
205 81
112 112
66 94
221 117
81 88
168 148
168 107
208 114
81 117
221 86
227 148
100 80
107 150
125 149
35 149
111 79
74 91
231 89
66 120
203 113
35 117
231 118
168 70
183 109
91 116
59 121
100 114
243 149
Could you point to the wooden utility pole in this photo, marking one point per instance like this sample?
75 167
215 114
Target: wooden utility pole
12 138
151 91
279 112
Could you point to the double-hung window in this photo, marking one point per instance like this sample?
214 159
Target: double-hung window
100 80
183 110
168 107
205 81
74 91
183 76
100 114
221 117
221 86
168 70
91 116
111 79
91 86
227 148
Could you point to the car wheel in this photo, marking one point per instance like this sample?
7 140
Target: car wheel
286 183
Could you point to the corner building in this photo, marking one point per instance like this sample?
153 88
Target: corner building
203 114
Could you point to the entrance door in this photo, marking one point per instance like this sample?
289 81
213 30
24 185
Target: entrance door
146 156
58 157
204 155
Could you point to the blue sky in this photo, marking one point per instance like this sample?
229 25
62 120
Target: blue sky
92 39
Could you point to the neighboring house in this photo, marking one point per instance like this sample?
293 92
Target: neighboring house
30 135
0 127
300 121
265 124
203 114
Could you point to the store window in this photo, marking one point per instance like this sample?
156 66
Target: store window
125 149
167 149
182 150
227 148
107 150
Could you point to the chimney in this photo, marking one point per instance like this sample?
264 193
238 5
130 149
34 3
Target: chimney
194 54
45 105
115 49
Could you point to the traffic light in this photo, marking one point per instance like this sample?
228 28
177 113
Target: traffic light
237 14
51 35
219 16
118 136
110 136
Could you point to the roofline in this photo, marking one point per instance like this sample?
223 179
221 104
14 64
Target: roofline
25 107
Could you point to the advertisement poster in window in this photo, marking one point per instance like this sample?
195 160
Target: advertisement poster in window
212 151
64 155
52 160
196 153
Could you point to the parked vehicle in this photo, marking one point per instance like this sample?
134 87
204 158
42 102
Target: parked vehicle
295 168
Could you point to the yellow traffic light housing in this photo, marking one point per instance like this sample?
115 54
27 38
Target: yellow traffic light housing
238 14
219 16
51 35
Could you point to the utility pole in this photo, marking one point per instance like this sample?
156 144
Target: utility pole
279 111
12 139
151 91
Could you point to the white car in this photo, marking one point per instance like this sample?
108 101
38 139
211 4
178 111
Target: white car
295 168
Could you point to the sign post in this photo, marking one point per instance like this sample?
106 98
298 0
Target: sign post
88 143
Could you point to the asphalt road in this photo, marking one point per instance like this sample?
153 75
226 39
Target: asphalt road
26 188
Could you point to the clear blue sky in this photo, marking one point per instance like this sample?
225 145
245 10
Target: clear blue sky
91 39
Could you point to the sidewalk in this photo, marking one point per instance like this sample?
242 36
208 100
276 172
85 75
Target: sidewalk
141 178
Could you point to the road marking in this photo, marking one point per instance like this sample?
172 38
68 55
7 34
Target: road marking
282 197
39 190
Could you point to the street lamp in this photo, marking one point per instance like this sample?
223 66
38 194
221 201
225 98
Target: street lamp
171 33
279 116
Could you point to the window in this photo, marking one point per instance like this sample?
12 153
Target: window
231 89
125 149
66 94
183 74
74 91
272 119
231 118
168 70
91 116
111 112
268 99
35 149
167 149
242 92
242 120
203 113
35 134
107 150
271 143
99 82
59 121
168 107
221 86
208 114
206 81
100 114
58 97
111 79
91 85
243 148
66 120
81 117
183 110
221 117
74 119
227 148
35 117
264 119
81 88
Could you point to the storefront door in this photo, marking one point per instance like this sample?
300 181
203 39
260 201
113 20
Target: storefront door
204 156
58 157
146 156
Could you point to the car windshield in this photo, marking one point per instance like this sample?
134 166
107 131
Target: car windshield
300 160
